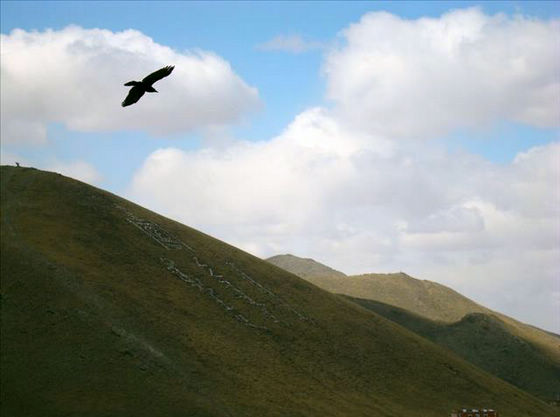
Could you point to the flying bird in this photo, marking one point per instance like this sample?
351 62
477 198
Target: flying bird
145 86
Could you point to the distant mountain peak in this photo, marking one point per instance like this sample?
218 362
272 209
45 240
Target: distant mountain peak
444 316
304 267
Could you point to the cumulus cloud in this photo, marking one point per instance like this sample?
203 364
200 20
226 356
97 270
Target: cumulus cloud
75 76
363 204
251 182
290 43
425 77
451 219
77 169
10 158
336 185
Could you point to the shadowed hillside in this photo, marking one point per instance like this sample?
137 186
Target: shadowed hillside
485 341
518 353
109 309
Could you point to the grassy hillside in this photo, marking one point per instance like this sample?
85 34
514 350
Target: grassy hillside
486 341
518 353
109 309
426 298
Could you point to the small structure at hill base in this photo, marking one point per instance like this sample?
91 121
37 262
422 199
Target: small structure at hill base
475 412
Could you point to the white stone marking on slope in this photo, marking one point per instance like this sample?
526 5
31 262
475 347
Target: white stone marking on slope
170 266
168 241
266 290
155 231
198 263
187 247
238 292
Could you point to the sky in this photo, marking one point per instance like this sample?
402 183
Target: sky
370 136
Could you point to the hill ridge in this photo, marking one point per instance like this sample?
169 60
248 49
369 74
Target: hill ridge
303 267
97 319
442 315
485 340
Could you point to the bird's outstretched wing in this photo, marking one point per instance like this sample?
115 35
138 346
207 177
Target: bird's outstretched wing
158 75
133 96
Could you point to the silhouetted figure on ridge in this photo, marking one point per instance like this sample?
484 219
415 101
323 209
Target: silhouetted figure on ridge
145 86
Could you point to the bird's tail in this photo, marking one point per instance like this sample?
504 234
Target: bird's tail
132 83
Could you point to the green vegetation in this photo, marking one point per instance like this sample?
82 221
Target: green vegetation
486 341
425 298
526 357
109 309
304 268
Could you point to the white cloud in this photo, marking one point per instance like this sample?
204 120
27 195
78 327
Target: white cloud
290 43
455 219
10 158
362 204
424 77
251 182
75 76
334 186
79 170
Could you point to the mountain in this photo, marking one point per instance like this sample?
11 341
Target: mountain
518 353
304 267
108 309
486 341
429 299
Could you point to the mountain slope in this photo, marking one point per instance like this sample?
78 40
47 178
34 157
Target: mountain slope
109 309
304 267
485 341
520 354
429 299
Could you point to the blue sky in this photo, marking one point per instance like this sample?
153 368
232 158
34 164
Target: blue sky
288 83
371 136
